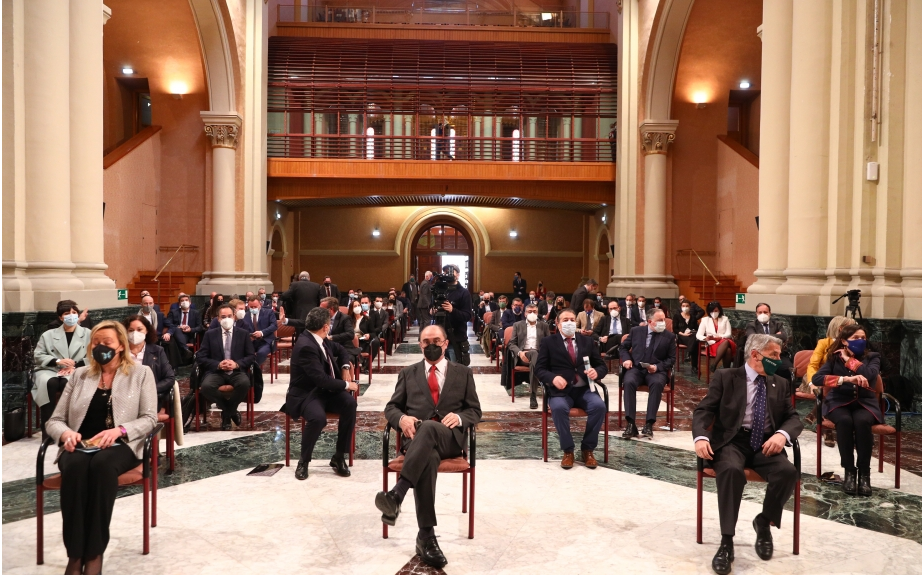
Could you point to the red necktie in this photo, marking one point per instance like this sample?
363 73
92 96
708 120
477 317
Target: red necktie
434 385
571 351
184 318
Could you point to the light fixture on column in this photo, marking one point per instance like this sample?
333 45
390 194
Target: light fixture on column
513 233
278 216
604 218
178 89
376 232
128 70
700 99
744 84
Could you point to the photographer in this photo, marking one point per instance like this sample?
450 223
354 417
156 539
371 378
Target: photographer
453 300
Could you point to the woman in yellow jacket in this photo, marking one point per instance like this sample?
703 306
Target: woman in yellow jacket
818 358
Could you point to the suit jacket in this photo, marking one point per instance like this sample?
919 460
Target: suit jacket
577 299
303 296
156 359
175 319
582 321
134 405
518 339
310 374
212 350
632 313
244 323
544 308
379 320
662 350
412 397
341 330
412 291
509 318
757 327
266 322
607 323
836 397
53 345
519 288
334 292
160 322
424 296
723 408
554 360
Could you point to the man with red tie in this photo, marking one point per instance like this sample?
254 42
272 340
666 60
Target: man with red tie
434 401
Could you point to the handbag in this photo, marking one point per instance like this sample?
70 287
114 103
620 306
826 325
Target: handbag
14 424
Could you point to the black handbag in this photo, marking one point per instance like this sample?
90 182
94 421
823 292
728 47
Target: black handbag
14 424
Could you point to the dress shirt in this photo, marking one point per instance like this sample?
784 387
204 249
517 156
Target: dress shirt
531 335
441 366
615 326
582 379
648 339
326 355
641 314
139 359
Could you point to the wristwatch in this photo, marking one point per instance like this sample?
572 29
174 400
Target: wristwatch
124 432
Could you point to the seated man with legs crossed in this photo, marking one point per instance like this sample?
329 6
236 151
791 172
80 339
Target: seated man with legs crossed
225 355
750 413
264 328
647 355
613 329
320 383
434 401
562 364
524 345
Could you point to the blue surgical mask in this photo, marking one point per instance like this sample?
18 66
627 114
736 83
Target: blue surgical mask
254 310
857 347
365 307
71 319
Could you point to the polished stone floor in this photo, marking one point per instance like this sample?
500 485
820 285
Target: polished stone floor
635 514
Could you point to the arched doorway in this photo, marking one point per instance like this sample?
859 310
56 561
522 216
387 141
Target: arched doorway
441 241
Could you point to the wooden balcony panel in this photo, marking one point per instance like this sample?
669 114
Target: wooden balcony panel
437 32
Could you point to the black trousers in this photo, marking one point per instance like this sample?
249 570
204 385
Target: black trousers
611 346
854 427
88 492
432 442
315 414
692 345
729 463
55 387
227 402
636 376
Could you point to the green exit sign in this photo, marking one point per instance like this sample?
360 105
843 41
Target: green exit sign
122 294
739 298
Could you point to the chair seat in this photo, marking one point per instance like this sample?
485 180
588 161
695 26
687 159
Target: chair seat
749 474
130 477
575 412
452 465
225 388
878 429
803 395
162 418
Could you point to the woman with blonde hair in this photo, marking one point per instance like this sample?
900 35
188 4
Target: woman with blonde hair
818 357
101 421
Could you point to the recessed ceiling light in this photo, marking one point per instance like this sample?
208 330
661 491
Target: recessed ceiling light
744 84
128 70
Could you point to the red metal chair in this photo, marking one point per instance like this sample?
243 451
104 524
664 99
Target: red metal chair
168 418
145 475
285 337
329 416
669 390
799 368
751 476
704 350
250 413
514 367
459 465
882 430
575 412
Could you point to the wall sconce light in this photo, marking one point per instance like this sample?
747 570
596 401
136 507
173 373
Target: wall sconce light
700 99
278 216
744 84
128 70
178 89
513 234
604 218
375 232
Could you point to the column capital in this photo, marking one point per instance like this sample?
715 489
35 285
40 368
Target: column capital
222 128
657 135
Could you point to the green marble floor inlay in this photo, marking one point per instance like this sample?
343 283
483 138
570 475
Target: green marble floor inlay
888 511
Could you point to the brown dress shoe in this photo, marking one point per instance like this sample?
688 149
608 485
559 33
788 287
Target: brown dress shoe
567 460
589 460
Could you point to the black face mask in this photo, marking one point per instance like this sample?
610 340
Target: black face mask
103 354
327 283
433 352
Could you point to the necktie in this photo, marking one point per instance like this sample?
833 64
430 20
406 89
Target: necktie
328 291
759 413
184 318
227 347
590 321
330 365
571 350
613 327
434 384
766 328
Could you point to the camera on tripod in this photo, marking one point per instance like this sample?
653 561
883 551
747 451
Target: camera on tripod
853 304
440 287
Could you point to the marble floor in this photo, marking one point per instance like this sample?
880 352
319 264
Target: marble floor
634 514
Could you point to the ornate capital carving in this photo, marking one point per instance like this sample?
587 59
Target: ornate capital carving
222 129
657 136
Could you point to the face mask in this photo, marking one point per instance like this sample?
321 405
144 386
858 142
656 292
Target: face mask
714 314
630 303
275 299
857 347
614 313
517 310
378 305
358 309
685 309
254 310
657 304
71 319
240 313
531 317
103 354
763 318
327 283
146 308
503 305
184 304
770 365
412 279
532 297
568 328
227 323
136 337
660 326
352 295
599 298
641 304
433 352
559 305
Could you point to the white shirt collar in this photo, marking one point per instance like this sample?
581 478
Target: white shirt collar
320 340
751 373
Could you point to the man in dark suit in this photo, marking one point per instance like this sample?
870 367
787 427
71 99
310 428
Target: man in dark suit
263 324
769 326
546 305
225 355
434 401
560 365
519 286
524 346
647 355
745 420
412 292
320 382
329 289
586 291
302 296
183 324
424 300
632 313
512 315
614 328
152 313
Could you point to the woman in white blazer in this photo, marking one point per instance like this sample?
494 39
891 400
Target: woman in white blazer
715 329
59 352
110 404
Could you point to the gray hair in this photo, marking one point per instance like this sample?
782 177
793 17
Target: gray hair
317 318
759 341
651 312
304 276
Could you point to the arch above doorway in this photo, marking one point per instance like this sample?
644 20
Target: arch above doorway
462 219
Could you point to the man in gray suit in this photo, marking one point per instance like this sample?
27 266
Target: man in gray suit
434 401
424 300
524 345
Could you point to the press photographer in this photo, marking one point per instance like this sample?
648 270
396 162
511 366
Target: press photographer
452 304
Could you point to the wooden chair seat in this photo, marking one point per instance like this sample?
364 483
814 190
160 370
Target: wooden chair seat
130 477
449 466
878 429
575 412
749 474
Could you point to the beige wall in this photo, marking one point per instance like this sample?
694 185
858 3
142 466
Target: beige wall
736 202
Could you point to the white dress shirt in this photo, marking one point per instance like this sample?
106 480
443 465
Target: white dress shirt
441 366
531 335
140 357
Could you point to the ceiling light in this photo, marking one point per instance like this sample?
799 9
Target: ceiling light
128 70
513 234
375 233
744 84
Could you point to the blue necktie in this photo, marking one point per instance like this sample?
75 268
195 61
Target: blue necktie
759 414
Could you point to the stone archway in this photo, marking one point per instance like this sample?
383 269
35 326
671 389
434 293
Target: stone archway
441 235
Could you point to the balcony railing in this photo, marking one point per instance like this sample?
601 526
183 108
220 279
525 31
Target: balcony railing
470 15
423 148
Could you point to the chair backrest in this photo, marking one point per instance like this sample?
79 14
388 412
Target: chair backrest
488 316
879 387
800 362
344 310
285 331
670 324
508 333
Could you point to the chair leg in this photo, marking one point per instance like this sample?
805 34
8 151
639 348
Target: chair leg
819 433
29 405
154 466
797 509
384 489
146 531
464 492
898 459
471 507
250 403
287 439
352 445
699 507
881 451
606 437
196 397
39 525
619 413
545 435
171 453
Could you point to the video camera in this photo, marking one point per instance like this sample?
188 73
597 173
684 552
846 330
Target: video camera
853 303
440 286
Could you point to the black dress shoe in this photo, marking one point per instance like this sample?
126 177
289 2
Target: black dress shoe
301 471
429 551
722 561
533 404
340 465
631 431
850 481
236 418
387 503
863 485
764 544
646 431
225 423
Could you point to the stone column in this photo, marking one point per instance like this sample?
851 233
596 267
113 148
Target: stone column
773 185
398 143
487 149
532 121
566 134
498 132
351 120
476 132
321 146
408 141
388 132
576 131
222 130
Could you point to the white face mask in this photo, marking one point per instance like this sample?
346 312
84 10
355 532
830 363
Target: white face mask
531 317
357 310
714 314
378 304
763 318
685 309
227 323
184 304
614 312
660 326
568 328
641 304
240 313
136 337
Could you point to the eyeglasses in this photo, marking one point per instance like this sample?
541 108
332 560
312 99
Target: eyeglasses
437 342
